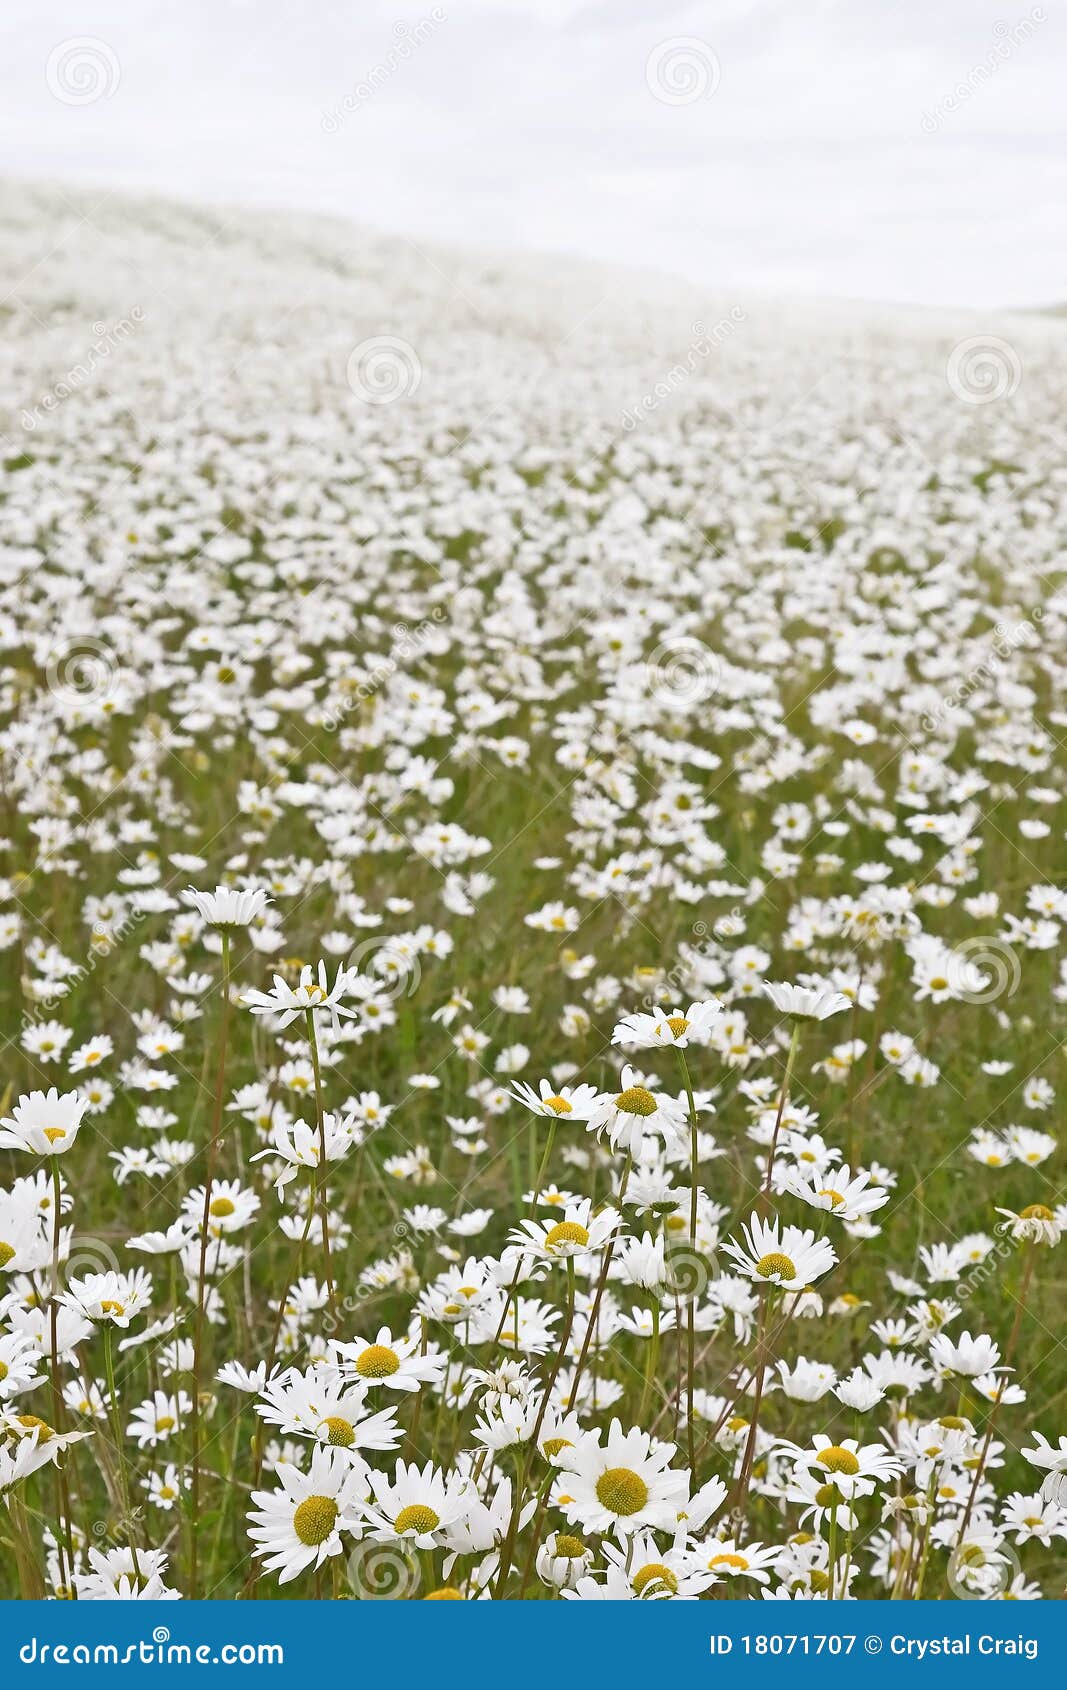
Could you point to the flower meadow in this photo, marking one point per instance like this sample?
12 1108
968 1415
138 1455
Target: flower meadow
533 929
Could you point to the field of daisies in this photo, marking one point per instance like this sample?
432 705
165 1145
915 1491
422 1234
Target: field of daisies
533 906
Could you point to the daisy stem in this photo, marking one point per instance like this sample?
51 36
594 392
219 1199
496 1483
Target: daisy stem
1009 1357
545 1400
65 1544
116 1433
513 1523
927 1533
599 1296
322 1173
205 1223
650 1364
832 1558
691 1329
542 1170
783 1096
535 1530
761 1371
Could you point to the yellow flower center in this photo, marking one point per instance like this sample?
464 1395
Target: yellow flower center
447 1593
621 1491
30 1423
221 1207
635 1100
109 1306
167 1493
678 1025
776 1266
315 1519
566 1232
3 1370
552 1446
657 1576
938 983
53 1134
6 1253
1035 1212
165 1423
570 1548
377 1362
835 1197
729 1559
828 1496
416 1517
559 1105
339 1432
838 1460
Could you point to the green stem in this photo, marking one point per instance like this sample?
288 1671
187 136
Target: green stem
691 1329
324 1209
65 1537
205 1223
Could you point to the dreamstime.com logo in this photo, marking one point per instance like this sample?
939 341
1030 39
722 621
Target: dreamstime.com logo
158 1650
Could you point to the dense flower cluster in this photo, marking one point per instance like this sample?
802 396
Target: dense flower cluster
533 945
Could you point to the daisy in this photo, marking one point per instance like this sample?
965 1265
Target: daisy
45 1122
18 1361
1033 1517
231 1207
564 1102
312 993
227 907
578 1233
623 1482
806 1003
848 1196
965 1356
644 1032
25 1245
164 1489
299 1525
1054 1462
22 1455
562 1560
114 1298
727 1559
319 1404
625 1117
791 1257
298 1145
656 1573
417 1506
1036 1224
805 1381
398 1364
158 1418
857 1467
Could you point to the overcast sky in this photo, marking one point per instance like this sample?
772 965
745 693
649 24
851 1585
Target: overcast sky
880 149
